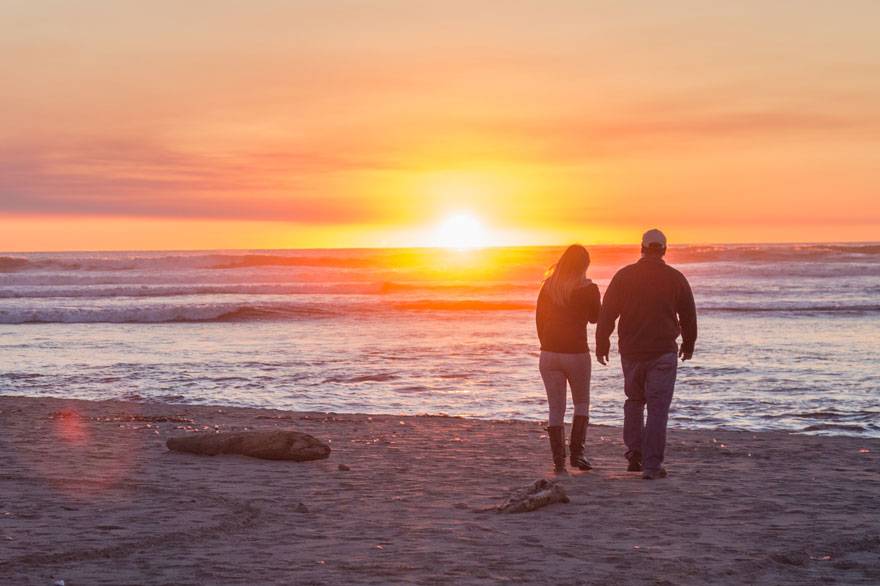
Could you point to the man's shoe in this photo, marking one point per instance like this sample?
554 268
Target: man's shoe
557 447
577 443
635 462
654 474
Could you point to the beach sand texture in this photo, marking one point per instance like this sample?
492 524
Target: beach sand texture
90 495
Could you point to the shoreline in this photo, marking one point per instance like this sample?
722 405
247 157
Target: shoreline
90 495
673 424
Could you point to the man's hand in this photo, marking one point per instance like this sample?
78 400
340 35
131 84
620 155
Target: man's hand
602 358
685 356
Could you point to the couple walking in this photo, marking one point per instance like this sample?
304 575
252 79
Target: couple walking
655 305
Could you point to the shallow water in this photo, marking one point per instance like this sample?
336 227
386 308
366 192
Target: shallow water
790 336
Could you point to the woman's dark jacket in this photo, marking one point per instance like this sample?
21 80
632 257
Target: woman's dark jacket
563 328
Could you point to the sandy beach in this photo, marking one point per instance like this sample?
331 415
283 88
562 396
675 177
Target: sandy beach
91 495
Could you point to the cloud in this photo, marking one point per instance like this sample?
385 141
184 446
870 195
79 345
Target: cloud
130 179
567 139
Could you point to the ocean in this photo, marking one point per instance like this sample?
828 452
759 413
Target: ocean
789 334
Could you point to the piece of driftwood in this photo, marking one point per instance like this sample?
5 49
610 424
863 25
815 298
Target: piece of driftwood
267 445
531 498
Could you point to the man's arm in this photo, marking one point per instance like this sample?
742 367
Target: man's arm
687 317
607 317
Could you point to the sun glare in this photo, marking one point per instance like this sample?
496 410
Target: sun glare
462 231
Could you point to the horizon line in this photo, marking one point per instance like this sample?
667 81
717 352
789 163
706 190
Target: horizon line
442 248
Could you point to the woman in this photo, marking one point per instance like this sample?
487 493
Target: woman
568 301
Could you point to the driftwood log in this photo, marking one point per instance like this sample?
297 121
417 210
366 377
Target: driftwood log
267 445
531 498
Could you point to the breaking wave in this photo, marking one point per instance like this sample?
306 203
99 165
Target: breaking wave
162 314
250 310
805 308
243 311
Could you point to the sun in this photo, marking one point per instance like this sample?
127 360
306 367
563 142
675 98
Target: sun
462 231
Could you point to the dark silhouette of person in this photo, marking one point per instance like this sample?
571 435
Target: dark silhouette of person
655 305
567 303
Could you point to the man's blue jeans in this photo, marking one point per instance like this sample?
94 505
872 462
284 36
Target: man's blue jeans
651 383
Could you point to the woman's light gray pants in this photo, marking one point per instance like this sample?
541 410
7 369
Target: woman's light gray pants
560 371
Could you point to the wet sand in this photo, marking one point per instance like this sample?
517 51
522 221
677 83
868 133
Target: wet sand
89 494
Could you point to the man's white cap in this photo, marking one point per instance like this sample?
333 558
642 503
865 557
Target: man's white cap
654 239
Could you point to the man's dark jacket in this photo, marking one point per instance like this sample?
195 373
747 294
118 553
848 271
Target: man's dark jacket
655 305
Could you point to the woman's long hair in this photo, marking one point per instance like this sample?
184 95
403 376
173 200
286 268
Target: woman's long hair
568 274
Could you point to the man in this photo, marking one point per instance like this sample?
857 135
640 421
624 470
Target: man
655 305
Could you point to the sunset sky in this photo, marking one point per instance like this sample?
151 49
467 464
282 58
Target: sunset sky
265 124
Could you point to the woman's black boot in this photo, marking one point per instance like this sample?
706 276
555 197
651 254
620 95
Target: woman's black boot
557 445
578 441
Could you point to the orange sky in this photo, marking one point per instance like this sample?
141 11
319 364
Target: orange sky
221 124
